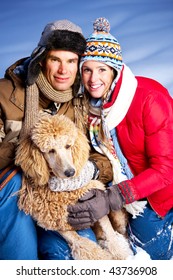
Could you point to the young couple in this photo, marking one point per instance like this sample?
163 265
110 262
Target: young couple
129 123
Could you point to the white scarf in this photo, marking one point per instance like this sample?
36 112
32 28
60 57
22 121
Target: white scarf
112 117
124 99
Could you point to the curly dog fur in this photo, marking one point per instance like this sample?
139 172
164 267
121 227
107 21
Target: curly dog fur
56 146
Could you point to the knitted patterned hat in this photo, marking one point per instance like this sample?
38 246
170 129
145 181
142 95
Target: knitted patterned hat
61 34
102 46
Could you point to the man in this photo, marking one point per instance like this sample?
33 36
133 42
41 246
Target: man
48 80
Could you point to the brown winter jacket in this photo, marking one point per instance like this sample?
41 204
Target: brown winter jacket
12 99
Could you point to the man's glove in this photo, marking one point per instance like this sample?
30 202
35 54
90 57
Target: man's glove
93 206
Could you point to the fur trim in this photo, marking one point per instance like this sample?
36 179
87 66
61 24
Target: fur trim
66 40
58 39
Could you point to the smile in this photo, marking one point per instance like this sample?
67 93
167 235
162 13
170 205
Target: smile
95 86
60 79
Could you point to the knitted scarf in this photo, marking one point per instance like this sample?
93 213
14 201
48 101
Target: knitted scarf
109 118
32 100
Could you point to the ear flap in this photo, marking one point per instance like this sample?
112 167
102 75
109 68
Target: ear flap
80 151
32 162
34 67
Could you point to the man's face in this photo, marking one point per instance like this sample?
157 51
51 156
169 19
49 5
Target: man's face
60 68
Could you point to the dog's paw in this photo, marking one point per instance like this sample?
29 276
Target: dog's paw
85 249
118 246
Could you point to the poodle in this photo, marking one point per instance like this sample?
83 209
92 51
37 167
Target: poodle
57 148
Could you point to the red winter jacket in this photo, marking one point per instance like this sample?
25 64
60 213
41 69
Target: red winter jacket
146 139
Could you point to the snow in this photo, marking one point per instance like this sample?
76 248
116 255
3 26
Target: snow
141 255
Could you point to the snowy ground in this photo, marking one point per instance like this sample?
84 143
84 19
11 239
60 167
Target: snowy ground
141 255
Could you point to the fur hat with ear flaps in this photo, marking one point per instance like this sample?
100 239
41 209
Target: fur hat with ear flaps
58 35
61 34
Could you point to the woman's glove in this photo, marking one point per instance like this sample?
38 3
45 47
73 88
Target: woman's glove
93 206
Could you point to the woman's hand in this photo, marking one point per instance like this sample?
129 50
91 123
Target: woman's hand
93 206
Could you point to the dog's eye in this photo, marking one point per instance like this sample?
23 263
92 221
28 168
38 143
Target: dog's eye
67 146
52 151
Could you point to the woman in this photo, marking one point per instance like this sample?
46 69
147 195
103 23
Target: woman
131 122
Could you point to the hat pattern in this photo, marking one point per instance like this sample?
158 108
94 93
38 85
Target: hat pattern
102 46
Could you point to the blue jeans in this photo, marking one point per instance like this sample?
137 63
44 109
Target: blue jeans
18 236
18 231
153 234
52 245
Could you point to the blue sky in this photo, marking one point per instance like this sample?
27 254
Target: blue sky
143 28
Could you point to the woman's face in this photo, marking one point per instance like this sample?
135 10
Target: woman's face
97 78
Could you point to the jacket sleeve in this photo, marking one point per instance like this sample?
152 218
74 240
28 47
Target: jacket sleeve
11 115
104 166
157 172
7 153
7 149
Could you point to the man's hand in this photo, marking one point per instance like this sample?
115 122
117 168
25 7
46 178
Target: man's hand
93 206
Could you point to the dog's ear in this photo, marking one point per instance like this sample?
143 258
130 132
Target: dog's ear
80 151
32 162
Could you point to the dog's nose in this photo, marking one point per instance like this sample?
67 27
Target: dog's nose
69 172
